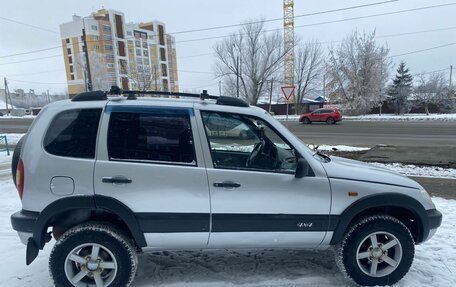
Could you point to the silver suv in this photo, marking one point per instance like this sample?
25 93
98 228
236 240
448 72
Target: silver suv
111 176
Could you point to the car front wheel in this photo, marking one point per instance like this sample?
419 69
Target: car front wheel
377 250
93 254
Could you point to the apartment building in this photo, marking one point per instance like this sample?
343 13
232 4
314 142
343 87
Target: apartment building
129 55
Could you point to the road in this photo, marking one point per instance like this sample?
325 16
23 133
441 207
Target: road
364 133
15 125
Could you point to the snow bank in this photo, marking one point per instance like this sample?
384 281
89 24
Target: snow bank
3 105
387 117
13 138
419 171
341 148
408 117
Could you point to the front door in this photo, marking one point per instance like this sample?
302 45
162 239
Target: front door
149 161
256 201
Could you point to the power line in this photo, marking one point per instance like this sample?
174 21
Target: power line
30 60
40 83
31 52
281 19
423 50
29 25
430 72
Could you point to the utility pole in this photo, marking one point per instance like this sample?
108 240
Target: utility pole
451 76
220 88
86 52
7 96
237 76
270 95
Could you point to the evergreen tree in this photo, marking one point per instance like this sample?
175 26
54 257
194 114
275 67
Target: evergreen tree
401 88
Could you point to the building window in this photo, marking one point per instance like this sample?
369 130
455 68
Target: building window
71 69
145 54
144 44
94 27
131 51
164 70
109 56
106 28
130 42
95 37
165 85
67 40
72 77
129 33
107 37
96 47
161 34
108 47
70 60
137 43
110 65
162 54
69 51
138 52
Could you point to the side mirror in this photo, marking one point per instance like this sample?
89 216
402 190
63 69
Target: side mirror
302 168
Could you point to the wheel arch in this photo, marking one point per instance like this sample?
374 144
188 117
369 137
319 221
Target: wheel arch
83 205
405 208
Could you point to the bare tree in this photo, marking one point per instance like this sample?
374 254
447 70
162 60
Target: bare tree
98 69
142 76
248 59
431 90
308 70
357 72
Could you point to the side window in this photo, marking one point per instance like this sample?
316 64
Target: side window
244 142
73 133
151 136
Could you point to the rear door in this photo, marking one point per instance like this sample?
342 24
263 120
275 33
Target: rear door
150 161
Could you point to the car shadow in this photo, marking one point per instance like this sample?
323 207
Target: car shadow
249 268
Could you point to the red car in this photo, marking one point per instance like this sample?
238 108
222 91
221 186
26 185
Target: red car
328 115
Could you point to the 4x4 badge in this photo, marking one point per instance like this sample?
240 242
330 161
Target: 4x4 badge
304 224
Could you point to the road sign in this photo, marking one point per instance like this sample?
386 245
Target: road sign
288 91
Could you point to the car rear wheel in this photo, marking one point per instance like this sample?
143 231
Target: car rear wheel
306 121
330 121
377 250
93 254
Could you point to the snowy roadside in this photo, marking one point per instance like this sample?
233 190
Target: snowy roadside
13 138
386 117
419 171
434 264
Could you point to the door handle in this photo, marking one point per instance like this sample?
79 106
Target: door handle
227 184
116 180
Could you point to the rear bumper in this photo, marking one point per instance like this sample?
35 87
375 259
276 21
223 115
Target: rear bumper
24 223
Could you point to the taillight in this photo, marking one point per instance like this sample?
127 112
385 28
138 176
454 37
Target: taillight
20 178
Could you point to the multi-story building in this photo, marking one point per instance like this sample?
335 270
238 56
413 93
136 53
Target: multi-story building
131 56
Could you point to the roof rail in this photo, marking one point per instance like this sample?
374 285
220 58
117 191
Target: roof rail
131 95
90 96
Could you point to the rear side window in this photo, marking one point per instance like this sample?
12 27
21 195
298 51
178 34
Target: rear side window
73 133
163 136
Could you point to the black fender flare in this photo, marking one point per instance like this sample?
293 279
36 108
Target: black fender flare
97 202
382 200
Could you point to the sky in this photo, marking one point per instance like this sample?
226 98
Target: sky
194 58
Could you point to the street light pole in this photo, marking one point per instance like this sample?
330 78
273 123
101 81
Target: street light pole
86 52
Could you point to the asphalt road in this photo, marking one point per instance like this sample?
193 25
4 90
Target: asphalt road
364 133
15 125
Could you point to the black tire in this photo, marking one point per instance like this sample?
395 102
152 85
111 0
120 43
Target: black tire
16 157
330 121
110 239
306 121
347 252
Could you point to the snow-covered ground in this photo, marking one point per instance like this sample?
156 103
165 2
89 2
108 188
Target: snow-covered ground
13 138
420 171
340 148
3 105
386 117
